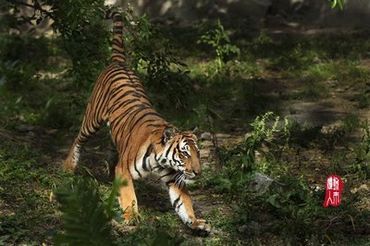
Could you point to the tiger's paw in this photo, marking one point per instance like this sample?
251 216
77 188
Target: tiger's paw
69 165
201 227
131 219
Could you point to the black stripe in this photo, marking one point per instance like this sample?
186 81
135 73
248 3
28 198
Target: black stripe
98 97
178 150
136 167
118 28
178 206
118 56
147 153
176 202
179 163
116 41
156 125
133 124
167 174
157 167
129 114
116 16
168 151
117 89
152 113
122 104
123 114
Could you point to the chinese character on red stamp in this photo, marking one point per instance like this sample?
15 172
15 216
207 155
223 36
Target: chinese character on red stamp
333 193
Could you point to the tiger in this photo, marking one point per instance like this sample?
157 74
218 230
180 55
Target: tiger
145 142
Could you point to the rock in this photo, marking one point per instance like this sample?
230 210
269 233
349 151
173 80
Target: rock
260 183
207 144
361 188
204 153
252 228
24 128
206 136
222 136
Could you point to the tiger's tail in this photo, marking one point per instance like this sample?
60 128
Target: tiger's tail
117 43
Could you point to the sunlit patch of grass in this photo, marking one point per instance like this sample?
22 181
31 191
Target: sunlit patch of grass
294 60
345 72
320 72
316 79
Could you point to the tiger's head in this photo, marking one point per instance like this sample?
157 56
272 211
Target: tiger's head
179 151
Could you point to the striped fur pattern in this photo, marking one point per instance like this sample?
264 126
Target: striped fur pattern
145 142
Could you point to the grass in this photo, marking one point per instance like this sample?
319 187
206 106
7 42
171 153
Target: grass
40 115
28 213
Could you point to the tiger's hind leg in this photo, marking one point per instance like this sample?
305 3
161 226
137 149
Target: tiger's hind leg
89 126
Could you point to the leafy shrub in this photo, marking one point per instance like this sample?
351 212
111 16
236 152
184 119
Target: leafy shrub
21 58
244 155
83 33
152 54
86 218
84 36
219 41
60 112
360 165
240 163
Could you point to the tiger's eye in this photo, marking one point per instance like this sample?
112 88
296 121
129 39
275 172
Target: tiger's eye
185 154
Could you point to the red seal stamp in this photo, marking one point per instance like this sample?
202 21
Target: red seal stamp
333 193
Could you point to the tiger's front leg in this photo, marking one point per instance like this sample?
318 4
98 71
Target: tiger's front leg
181 201
127 197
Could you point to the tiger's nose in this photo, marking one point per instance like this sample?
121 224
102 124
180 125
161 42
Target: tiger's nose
196 172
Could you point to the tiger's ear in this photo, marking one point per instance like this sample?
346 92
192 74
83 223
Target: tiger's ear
195 133
168 133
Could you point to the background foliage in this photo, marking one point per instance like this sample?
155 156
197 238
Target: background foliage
207 76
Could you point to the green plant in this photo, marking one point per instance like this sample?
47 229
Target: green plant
337 4
218 39
152 54
86 218
262 132
83 33
240 163
361 163
21 57
84 36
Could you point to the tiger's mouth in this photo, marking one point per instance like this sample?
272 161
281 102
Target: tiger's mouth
183 178
190 175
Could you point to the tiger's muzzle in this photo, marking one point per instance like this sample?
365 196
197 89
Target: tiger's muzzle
191 175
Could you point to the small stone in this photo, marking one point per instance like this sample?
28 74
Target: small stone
24 128
204 153
207 144
361 188
206 136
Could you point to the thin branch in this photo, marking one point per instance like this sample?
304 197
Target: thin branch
35 6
